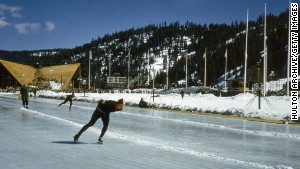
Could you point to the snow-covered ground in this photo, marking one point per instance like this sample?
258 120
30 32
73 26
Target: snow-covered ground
274 107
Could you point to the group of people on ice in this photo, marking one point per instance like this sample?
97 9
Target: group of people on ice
103 110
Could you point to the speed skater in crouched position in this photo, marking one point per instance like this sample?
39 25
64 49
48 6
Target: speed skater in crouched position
68 99
103 110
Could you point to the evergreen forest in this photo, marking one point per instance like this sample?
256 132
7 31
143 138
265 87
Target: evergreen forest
114 53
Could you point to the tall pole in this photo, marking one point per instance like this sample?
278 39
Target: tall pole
289 54
167 72
153 83
128 81
148 58
204 56
258 82
225 69
109 65
265 51
186 72
89 81
246 54
138 76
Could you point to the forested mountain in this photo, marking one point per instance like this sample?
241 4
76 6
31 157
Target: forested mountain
175 40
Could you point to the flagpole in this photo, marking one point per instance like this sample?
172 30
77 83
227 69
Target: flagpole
148 68
186 58
246 54
205 68
225 69
90 56
265 51
109 65
167 72
128 83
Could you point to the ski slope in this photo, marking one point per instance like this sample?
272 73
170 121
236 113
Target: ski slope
42 137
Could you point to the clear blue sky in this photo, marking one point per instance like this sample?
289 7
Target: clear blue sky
48 24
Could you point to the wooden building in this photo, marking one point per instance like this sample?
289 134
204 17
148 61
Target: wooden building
15 75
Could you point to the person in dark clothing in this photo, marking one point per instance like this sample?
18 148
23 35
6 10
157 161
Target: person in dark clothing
103 110
182 94
24 94
143 104
34 92
68 99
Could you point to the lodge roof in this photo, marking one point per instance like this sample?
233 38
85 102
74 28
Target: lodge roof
25 74
22 73
60 73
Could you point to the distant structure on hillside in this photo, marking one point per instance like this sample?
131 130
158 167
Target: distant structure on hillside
116 81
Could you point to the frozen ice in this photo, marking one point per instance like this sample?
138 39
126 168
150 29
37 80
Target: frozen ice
42 137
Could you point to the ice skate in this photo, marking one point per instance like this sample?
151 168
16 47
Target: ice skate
100 141
76 138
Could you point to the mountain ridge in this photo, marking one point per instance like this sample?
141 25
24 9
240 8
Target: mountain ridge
175 40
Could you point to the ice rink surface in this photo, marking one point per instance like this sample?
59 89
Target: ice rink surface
42 137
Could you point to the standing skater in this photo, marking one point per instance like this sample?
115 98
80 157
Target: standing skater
24 94
68 98
103 110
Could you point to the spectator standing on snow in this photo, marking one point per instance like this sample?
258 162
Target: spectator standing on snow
182 94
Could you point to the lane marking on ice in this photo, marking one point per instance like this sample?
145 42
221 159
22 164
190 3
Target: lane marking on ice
221 127
207 125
